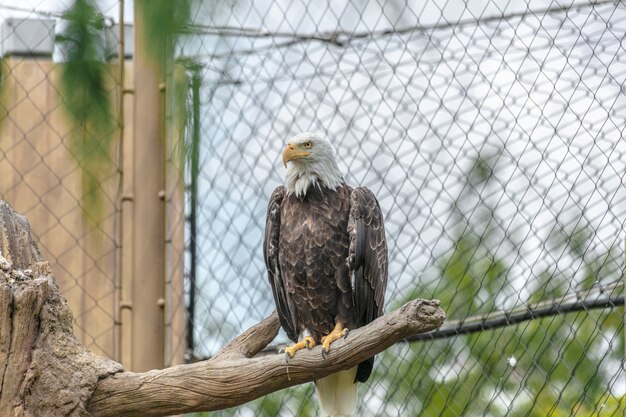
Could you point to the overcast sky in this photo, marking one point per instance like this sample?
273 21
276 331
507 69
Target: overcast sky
35 8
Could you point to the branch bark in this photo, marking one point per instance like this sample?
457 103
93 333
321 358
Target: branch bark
230 378
45 371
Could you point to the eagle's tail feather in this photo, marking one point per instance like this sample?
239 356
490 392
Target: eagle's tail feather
337 393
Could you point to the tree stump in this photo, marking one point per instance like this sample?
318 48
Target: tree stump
44 370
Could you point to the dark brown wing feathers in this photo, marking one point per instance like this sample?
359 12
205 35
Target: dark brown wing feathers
367 259
270 254
368 254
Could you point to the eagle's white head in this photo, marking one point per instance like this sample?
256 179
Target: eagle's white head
311 162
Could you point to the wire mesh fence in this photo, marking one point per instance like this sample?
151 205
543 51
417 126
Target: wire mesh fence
492 135
40 176
48 168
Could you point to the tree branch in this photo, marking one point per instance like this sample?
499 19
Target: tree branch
231 379
44 370
253 340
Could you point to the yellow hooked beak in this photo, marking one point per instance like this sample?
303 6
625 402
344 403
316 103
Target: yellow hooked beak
291 153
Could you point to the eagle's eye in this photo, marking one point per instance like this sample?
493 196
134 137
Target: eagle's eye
307 145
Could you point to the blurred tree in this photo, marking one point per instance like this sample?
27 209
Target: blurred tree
86 90
87 99
544 367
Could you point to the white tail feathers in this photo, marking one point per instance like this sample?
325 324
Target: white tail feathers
337 393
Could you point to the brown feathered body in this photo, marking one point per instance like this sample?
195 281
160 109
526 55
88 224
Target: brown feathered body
326 256
313 253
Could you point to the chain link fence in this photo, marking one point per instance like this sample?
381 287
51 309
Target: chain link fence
47 173
492 134
40 174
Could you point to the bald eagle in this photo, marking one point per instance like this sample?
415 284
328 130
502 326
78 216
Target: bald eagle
326 256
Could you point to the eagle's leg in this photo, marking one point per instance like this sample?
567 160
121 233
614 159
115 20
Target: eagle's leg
306 342
338 332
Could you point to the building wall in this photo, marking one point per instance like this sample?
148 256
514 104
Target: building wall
40 179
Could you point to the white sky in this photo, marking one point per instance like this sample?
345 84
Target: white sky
30 8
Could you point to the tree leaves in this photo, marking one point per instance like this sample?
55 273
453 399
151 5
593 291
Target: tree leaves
554 366
85 93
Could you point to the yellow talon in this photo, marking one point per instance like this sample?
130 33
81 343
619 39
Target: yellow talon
338 332
306 342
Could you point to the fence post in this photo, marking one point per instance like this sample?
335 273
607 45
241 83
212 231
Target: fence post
148 212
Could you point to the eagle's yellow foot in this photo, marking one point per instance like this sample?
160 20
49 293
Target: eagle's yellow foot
338 332
306 342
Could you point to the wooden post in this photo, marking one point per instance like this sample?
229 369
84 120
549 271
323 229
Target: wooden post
125 282
148 207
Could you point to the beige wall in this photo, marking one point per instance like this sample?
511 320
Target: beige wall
39 178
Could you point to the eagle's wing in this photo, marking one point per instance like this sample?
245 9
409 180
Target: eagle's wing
270 254
367 260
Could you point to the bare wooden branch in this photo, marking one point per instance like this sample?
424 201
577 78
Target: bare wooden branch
229 380
250 342
44 371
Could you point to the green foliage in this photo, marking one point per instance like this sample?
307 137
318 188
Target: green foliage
544 367
301 402
86 88
86 98
83 77
163 20
187 84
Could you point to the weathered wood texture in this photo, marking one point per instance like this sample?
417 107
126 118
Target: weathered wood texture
45 371
233 377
